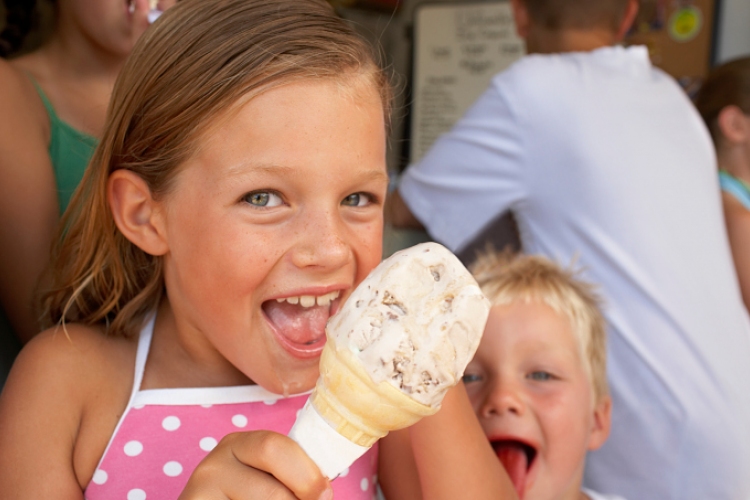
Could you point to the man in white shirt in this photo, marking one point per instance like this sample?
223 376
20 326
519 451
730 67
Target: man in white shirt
602 158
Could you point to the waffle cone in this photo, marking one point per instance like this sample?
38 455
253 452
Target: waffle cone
353 404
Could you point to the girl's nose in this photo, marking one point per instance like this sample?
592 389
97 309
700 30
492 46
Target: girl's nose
503 398
323 243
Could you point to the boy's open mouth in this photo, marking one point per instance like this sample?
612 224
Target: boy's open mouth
299 322
517 458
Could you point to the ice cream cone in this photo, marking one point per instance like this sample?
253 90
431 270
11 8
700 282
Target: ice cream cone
353 404
393 350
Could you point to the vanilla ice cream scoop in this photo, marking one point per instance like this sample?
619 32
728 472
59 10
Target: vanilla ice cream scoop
401 340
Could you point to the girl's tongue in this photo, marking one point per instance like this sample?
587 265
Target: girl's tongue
299 325
516 462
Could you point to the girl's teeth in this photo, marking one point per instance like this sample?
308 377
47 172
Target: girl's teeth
326 299
310 300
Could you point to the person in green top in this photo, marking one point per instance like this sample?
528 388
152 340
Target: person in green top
53 102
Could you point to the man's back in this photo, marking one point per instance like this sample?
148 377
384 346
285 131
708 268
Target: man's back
602 158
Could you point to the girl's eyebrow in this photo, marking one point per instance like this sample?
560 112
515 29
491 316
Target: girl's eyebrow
376 174
248 166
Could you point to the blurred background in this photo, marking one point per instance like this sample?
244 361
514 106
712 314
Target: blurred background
442 54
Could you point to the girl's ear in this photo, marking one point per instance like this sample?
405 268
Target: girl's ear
137 215
602 423
733 125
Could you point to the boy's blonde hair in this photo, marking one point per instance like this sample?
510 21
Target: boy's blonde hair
505 277
199 60
577 14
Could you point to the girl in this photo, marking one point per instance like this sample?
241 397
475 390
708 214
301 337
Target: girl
724 103
233 204
53 101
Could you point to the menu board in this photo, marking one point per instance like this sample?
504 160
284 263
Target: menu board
458 48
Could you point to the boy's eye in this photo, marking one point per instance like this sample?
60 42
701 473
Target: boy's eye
263 199
357 200
471 377
540 376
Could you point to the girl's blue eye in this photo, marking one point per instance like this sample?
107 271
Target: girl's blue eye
357 200
470 377
540 376
263 199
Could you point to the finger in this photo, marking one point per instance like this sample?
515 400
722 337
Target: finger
219 479
281 457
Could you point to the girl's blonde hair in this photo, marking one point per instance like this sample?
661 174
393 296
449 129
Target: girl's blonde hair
197 61
506 277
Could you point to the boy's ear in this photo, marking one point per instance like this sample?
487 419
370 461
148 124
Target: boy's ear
733 124
137 215
521 17
602 423
631 10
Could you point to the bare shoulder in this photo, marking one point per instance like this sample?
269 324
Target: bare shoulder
17 90
59 406
71 354
734 208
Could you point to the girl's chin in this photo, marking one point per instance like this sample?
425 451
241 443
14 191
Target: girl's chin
291 384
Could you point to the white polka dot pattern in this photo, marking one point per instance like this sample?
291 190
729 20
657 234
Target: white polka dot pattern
133 448
172 469
239 421
171 423
100 477
136 494
207 443
155 449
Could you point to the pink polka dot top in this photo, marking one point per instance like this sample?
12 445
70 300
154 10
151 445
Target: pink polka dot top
164 433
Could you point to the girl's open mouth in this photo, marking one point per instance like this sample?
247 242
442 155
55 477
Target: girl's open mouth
299 322
517 457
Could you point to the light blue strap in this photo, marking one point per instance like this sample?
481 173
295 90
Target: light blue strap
735 187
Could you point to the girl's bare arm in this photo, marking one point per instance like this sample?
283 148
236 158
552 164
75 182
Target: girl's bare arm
28 197
444 456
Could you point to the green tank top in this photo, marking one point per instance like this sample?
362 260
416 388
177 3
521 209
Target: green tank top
70 151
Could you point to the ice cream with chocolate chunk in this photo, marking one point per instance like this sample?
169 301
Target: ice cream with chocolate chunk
401 340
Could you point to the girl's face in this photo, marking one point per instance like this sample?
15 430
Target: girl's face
109 25
272 224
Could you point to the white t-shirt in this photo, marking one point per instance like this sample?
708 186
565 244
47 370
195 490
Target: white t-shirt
593 495
603 158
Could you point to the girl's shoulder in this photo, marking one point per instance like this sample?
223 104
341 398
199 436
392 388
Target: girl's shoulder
75 340
78 360
21 105
63 398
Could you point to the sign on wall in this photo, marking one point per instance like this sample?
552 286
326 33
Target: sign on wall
458 48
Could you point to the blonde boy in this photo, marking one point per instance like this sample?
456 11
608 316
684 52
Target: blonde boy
538 381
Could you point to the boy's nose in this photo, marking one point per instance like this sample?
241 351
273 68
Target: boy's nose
503 398
322 242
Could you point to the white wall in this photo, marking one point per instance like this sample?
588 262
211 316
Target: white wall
734 30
